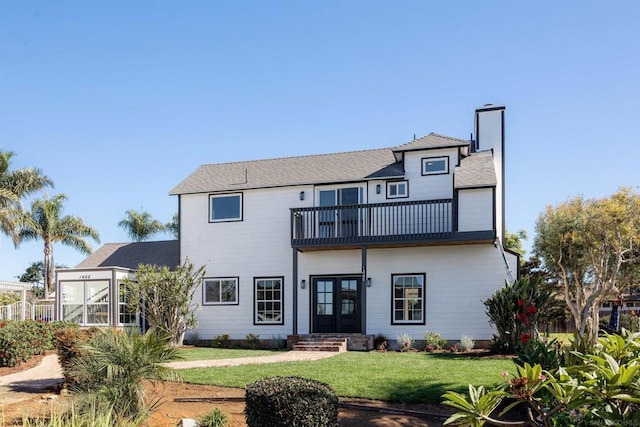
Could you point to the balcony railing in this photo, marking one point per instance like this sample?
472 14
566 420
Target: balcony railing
375 223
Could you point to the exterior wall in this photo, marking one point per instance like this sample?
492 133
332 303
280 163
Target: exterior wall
475 209
458 279
429 186
257 246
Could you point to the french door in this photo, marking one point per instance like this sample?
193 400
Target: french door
336 303
341 221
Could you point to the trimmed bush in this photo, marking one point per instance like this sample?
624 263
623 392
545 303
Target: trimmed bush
22 339
68 343
290 401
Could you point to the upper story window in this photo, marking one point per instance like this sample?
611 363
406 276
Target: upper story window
435 165
397 189
225 207
220 291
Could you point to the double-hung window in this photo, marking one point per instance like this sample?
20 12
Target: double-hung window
220 291
225 207
408 298
268 292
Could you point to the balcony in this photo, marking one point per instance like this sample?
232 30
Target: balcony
379 224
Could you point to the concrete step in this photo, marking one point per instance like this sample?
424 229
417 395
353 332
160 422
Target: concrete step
321 344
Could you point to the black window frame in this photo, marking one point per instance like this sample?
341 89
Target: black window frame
255 301
406 184
424 160
237 290
221 195
393 299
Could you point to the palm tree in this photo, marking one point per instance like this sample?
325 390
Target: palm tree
173 227
140 225
15 185
46 223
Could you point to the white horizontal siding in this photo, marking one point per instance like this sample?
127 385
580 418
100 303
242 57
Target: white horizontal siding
475 209
257 246
458 279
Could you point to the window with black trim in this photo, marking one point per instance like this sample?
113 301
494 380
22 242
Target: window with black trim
435 165
220 291
268 296
407 298
225 207
397 189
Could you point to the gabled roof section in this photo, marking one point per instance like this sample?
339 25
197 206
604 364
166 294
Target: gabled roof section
164 253
476 170
429 142
290 171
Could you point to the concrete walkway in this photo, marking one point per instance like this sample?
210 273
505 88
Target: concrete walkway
289 356
22 385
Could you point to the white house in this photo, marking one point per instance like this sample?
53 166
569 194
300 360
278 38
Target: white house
406 239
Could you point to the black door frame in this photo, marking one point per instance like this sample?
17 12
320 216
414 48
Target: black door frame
337 317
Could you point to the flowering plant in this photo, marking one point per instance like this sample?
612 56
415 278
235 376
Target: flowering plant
405 341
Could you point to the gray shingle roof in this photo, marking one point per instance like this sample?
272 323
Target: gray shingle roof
130 255
476 170
316 169
433 140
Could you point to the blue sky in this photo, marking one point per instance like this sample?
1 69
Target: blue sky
119 101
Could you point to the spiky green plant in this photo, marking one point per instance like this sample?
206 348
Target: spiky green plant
112 366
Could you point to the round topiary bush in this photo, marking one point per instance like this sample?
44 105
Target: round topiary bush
290 401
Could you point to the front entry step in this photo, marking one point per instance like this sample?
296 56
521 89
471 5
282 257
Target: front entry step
311 343
330 342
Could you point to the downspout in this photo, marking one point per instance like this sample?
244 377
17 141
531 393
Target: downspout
498 244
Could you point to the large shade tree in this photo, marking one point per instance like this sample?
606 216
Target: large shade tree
591 247
141 226
15 185
47 223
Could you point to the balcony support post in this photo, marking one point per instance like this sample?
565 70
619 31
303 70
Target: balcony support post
363 286
294 310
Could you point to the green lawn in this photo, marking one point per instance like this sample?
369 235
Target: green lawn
395 377
208 353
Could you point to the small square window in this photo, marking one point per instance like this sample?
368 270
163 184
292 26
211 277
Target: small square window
225 207
435 165
397 189
220 291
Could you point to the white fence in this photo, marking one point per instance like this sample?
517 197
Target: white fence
16 311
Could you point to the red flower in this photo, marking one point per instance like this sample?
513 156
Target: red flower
530 309
520 302
524 338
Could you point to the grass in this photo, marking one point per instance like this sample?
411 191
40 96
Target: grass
209 353
395 377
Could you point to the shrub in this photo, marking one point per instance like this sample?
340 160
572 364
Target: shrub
516 310
290 401
628 321
22 339
253 340
433 341
380 342
466 343
68 343
405 341
601 389
220 341
217 418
